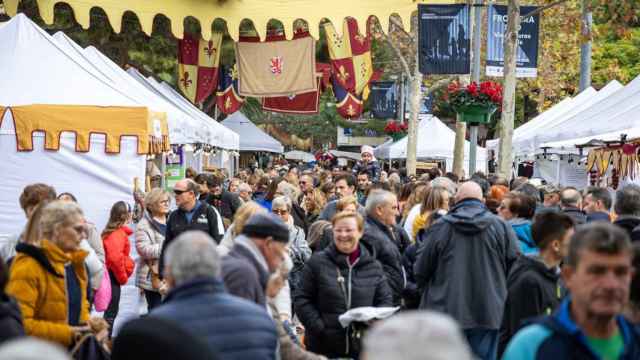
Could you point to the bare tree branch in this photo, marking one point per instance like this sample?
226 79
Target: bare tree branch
543 8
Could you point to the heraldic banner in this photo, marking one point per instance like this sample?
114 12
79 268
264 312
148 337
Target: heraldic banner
528 35
279 68
445 46
198 62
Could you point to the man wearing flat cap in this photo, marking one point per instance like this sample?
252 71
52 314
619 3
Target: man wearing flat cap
257 253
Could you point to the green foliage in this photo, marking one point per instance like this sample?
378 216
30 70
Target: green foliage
616 58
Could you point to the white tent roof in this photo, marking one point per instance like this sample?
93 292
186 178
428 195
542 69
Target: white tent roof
253 138
299 156
529 141
182 129
615 115
221 136
435 141
37 61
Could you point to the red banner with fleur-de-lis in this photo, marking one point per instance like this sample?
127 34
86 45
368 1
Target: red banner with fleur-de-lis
198 62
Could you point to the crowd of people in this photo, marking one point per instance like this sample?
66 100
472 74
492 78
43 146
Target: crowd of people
262 264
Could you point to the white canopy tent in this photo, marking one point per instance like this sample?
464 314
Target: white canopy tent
35 69
298 155
222 137
253 138
182 128
605 120
435 141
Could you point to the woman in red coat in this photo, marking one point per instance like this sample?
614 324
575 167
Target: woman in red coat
115 238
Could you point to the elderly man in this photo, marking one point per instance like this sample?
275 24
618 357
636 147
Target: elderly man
258 252
588 324
198 302
386 239
245 192
597 203
571 204
191 214
627 208
306 186
462 268
407 335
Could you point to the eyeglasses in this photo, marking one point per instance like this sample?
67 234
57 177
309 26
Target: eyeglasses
280 211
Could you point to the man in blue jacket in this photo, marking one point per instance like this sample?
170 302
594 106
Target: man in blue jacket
462 268
234 328
588 324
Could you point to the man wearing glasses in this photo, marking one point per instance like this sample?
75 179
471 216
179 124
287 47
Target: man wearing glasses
192 214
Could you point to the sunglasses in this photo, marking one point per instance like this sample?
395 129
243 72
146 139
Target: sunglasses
179 192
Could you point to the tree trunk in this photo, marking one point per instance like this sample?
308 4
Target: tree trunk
412 136
461 131
585 48
505 158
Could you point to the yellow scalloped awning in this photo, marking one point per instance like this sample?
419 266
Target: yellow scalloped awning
234 11
114 122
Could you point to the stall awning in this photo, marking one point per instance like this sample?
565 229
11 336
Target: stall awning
150 128
234 11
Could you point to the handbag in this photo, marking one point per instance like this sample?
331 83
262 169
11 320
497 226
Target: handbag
154 274
89 348
103 293
354 330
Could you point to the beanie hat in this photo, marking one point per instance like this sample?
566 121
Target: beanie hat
265 225
366 149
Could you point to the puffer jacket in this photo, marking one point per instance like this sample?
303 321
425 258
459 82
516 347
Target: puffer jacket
372 168
149 239
38 281
321 300
384 244
522 228
10 318
117 248
232 327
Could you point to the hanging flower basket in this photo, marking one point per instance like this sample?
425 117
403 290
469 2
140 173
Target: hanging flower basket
396 130
475 104
475 114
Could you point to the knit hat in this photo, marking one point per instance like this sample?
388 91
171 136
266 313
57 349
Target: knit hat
158 339
367 149
265 225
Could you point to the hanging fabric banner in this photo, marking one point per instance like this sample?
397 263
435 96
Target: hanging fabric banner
276 68
444 39
350 55
527 54
227 99
198 62
383 99
302 104
349 106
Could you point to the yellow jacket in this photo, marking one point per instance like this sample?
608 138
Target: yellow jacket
38 283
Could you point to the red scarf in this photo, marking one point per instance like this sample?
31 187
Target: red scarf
354 256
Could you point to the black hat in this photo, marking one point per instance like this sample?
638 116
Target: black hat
265 225
158 339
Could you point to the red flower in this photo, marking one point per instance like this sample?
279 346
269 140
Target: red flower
473 89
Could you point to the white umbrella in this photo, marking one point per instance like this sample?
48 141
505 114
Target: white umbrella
299 156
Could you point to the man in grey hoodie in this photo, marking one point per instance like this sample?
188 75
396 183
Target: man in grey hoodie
462 268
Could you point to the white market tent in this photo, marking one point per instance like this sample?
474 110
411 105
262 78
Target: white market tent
182 129
45 87
605 120
253 138
435 141
298 155
222 136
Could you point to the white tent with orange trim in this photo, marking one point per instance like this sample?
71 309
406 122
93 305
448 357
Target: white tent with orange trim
65 126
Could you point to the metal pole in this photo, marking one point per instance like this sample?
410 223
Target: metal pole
585 48
402 96
475 77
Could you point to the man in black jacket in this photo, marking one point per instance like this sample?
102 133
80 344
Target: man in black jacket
386 239
571 204
191 214
227 203
462 268
533 283
627 208
597 204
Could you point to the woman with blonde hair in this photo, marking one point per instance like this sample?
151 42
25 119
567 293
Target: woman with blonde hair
348 203
150 233
240 218
314 202
50 280
432 205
